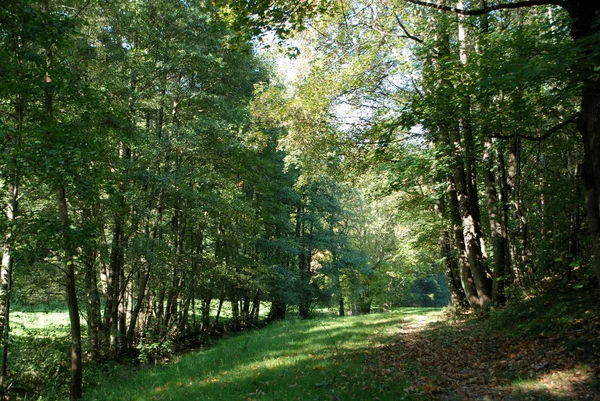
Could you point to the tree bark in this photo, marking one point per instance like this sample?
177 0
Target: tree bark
139 301
6 270
111 297
94 318
75 387
205 307
496 225
466 278
466 182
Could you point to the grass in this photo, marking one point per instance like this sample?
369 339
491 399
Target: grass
317 359
542 347
38 360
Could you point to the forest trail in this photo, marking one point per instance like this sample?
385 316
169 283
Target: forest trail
448 360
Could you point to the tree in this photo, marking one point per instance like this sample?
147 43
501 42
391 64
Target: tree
584 31
401 86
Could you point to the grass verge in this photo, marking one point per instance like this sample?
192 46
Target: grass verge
318 359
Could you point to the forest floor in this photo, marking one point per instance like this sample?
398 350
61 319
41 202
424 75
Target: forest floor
545 349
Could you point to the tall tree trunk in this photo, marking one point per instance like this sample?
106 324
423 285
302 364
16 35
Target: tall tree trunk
464 161
449 260
220 307
575 226
94 318
256 306
469 223
235 310
205 308
6 274
111 297
139 302
592 210
466 278
496 225
11 211
451 268
75 386
584 30
512 199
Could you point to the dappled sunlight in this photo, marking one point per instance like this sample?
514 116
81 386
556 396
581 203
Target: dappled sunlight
39 320
565 383
453 359
312 359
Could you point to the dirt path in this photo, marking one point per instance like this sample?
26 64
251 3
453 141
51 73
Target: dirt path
449 362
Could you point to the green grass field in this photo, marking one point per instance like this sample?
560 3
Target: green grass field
317 359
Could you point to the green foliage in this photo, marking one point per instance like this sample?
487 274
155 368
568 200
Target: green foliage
430 291
155 352
551 313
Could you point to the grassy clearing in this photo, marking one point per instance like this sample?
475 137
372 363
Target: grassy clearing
39 350
318 359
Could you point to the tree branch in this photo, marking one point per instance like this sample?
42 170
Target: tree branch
546 134
408 35
486 10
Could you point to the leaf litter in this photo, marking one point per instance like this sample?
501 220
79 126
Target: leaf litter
452 362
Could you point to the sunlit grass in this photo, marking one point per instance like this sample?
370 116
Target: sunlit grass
319 359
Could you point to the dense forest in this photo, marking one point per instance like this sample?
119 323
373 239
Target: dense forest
166 161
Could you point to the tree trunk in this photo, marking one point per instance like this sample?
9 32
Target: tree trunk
451 265
278 311
6 288
111 297
496 225
457 294
584 30
75 388
220 307
235 311
139 301
512 203
255 313
464 164
205 307
466 278
6 270
11 213
342 311
592 209
469 223
589 127
94 319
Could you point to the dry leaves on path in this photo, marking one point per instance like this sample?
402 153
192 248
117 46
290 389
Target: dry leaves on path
451 363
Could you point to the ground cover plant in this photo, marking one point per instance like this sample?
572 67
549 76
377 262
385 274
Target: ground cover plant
408 354
315 359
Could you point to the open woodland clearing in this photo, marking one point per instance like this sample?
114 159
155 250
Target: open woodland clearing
176 171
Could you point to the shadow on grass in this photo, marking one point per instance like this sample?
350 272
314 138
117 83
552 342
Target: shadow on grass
321 359
371 357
